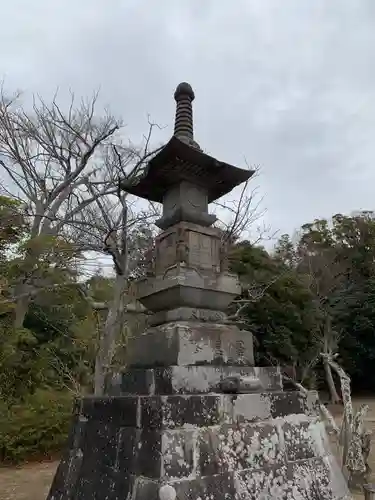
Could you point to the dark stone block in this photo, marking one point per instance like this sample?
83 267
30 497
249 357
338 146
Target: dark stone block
196 410
153 452
69 469
75 466
96 486
115 485
152 412
143 489
175 411
218 487
77 431
178 453
64 482
140 381
287 403
149 454
100 445
121 411
209 460
87 472
127 450
294 403
120 486
164 380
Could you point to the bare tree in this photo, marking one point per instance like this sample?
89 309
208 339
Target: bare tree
239 212
238 215
120 227
124 236
47 156
324 276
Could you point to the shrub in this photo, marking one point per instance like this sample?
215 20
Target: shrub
36 428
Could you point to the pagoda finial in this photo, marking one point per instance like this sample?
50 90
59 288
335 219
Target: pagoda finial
183 128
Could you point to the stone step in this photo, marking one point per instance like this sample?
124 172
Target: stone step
190 380
207 455
174 411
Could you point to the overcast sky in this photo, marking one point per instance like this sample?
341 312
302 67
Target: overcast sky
287 84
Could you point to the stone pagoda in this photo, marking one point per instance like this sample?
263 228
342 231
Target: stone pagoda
192 418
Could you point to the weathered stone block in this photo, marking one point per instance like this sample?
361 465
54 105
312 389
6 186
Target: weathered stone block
186 286
77 430
100 444
66 478
292 403
251 407
317 479
186 344
127 449
171 412
306 480
231 448
305 439
268 483
156 453
192 379
96 486
141 489
201 245
187 314
178 453
148 456
201 443
121 411
217 487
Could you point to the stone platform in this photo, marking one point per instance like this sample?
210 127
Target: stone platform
211 447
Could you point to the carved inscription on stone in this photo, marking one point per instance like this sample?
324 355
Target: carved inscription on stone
166 252
240 346
202 250
219 352
184 244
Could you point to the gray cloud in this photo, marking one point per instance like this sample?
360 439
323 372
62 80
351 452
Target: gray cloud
289 85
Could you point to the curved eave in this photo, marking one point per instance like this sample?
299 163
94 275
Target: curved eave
178 161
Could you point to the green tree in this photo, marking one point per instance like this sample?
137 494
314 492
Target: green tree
281 315
337 258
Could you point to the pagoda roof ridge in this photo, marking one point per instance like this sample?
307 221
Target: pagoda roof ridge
178 161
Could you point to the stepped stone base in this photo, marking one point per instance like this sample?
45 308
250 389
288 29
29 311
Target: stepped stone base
269 445
189 380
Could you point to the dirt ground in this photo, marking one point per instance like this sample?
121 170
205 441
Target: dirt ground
29 482
32 482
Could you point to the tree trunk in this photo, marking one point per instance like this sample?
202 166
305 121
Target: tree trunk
99 376
20 311
108 338
335 398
